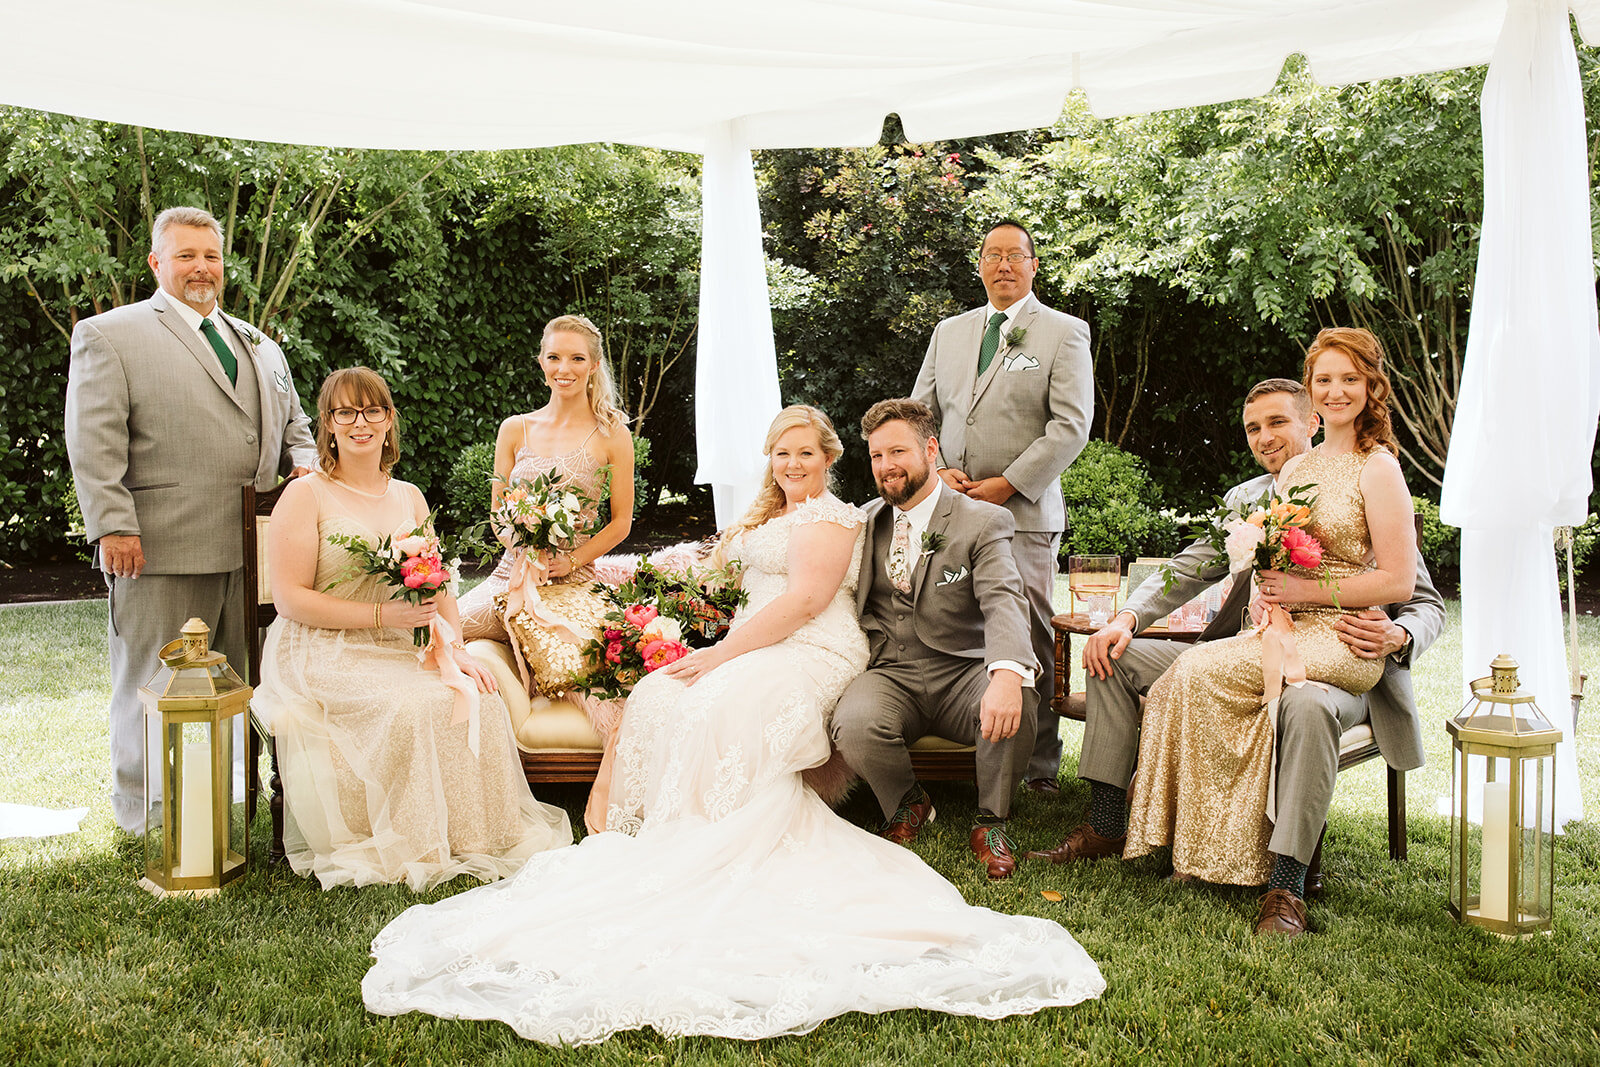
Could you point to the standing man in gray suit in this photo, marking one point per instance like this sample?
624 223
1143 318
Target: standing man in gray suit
1012 389
172 406
1278 423
942 606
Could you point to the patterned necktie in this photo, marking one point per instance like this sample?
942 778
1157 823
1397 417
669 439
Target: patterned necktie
900 553
991 341
225 354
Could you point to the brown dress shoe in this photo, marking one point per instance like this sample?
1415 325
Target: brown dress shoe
908 822
993 850
1045 786
1082 844
1281 913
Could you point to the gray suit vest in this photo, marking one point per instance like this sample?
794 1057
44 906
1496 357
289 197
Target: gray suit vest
891 616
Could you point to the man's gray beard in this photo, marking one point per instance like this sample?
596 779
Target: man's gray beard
199 293
913 486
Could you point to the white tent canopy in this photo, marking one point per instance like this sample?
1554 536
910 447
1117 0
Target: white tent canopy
721 77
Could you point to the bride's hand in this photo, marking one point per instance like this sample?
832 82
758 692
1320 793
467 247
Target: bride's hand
1280 588
697 664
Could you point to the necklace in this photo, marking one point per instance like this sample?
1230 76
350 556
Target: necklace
361 492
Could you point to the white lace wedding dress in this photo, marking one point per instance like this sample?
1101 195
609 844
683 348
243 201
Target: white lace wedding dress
736 903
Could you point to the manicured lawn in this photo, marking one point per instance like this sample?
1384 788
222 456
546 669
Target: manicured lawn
94 970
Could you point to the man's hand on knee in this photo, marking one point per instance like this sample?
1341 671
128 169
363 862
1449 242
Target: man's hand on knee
1107 644
1000 714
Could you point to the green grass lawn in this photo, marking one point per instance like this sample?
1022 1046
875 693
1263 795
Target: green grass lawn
94 970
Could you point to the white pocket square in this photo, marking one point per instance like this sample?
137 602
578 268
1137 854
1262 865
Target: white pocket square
281 379
1021 361
951 577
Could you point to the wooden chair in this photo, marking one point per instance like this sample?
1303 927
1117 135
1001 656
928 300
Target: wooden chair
258 614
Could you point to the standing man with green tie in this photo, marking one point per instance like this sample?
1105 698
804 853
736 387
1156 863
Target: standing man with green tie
1012 386
172 406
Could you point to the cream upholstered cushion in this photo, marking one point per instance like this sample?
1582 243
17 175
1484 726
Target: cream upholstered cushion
538 723
1358 736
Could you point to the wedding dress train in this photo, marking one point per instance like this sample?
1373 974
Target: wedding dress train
737 904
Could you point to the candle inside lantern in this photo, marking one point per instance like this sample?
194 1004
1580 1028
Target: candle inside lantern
1495 902
194 831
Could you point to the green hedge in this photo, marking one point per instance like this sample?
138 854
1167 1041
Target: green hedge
1114 506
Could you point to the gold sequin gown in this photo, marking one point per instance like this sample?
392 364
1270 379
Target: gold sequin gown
380 785
1206 748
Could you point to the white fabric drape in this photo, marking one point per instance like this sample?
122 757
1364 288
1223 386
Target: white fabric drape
1530 391
736 363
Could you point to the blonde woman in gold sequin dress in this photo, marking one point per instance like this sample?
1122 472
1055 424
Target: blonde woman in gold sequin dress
1206 749
384 780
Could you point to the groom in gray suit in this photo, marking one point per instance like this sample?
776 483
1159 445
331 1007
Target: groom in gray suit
942 606
1278 424
172 406
1011 387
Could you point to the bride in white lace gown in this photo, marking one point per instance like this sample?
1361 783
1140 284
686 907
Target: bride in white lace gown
734 903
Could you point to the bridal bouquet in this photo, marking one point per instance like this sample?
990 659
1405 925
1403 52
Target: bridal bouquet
657 617
411 559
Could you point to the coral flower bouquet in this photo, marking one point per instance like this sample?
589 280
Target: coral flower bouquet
544 513
1268 535
411 559
657 618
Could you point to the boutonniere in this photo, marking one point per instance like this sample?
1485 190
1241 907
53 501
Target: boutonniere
951 577
932 541
249 333
1017 335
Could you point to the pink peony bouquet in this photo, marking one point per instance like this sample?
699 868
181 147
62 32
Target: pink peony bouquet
657 618
1269 535
411 559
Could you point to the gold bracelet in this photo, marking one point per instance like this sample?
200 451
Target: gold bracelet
377 614
458 646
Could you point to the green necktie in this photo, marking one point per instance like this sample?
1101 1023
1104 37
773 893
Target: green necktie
230 364
991 341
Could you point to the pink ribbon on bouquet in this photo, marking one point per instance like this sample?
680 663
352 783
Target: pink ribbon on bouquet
439 655
1280 666
528 573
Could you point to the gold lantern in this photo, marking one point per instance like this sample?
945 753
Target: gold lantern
196 839
1501 870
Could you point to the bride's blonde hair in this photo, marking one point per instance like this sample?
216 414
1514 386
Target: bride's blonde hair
770 500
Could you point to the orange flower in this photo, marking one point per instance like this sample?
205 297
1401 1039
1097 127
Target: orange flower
1257 519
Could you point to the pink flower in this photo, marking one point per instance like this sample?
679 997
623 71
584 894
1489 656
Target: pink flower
953 157
1304 550
659 653
423 572
613 650
613 635
640 614
411 544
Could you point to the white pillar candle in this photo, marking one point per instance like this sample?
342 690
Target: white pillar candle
1495 902
194 829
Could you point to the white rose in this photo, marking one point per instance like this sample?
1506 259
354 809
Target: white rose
411 545
664 628
570 502
1243 538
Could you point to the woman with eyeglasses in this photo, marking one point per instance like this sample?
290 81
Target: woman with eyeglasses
383 780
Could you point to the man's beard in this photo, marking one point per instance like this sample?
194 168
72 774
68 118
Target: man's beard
199 292
914 481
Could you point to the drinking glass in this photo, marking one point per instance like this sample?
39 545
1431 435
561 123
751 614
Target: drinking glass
1097 580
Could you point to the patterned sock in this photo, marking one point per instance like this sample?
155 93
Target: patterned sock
1108 810
988 818
1288 873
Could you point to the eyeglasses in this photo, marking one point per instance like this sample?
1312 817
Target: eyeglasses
1016 259
347 416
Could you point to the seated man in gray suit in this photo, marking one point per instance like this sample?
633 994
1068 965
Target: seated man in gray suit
942 606
1278 423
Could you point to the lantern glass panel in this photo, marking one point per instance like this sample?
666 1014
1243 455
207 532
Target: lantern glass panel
1536 885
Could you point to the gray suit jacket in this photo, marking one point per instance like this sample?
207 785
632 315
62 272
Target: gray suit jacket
1391 704
1027 417
966 594
159 444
